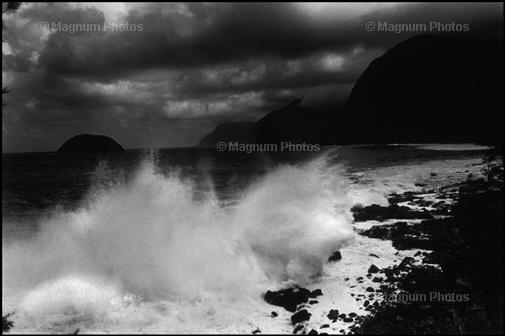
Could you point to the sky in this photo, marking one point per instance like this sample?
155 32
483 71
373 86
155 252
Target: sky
155 75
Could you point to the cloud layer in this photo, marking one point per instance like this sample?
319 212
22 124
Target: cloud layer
168 73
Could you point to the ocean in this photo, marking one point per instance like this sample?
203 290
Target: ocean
189 239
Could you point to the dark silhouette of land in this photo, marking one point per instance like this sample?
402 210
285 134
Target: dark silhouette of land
89 143
232 131
430 89
426 89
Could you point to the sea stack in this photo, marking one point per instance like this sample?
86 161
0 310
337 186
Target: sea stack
89 143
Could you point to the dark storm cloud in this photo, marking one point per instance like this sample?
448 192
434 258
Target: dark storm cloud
215 34
193 65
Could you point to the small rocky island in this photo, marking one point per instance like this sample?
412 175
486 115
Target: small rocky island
89 143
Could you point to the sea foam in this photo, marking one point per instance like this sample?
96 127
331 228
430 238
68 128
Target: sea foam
144 254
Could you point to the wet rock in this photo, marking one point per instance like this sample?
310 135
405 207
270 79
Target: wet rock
388 232
313 302
374 255
257 331
348 319
336 256
317 292
370 289
366 303
290 298
274 314
300 316
325 326
377 279
424 279
380 213
406 263
373 269
313 332
407 196
430 259
353 314
333 314
298 328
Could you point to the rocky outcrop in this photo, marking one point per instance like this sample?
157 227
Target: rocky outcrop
380 213
290 298
300 316
89 143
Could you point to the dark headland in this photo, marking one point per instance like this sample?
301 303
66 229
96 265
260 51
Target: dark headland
231 131
426 89
90 143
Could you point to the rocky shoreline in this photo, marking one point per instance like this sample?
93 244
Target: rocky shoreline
440 273
452 284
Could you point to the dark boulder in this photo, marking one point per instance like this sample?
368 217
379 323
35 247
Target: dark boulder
290 298
300 316
336 256
333 314
298 328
